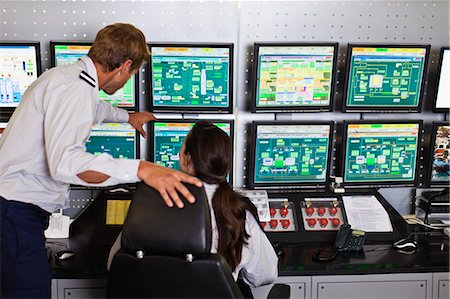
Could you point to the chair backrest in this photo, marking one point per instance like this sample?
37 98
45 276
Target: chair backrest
166 252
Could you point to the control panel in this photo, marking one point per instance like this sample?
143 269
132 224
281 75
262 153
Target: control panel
321 214
282 217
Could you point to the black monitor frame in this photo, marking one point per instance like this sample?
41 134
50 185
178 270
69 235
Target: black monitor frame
54 43
37 46
380 184
441 60
294 185
151 137
430 159
137 145
149 79
418 108
297 108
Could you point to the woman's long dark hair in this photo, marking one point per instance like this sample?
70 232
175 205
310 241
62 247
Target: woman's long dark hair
210 151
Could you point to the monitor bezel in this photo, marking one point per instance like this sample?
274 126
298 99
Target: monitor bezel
429 162
151 138
137 145
285 185
54 43
296 108
380 184
418 108
439 71
149 79
37 46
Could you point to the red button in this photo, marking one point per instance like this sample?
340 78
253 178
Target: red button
323 222
311 222
272 212
321 211
309 211
335 222
263 224
285 223
333 211
284 212
273 223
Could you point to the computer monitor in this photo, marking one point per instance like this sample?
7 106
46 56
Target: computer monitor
442 98
377 154
294 76
2 128
191 78
20 65
67 52
439 165
290 154
167 137
385 77
120 140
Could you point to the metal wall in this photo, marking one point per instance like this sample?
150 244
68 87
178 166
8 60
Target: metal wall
243 23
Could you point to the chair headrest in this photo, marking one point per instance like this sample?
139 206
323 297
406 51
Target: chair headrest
155 228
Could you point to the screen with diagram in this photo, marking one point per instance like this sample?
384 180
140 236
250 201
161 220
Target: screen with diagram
19 67
291 153
70 53
117 139
168 138
294 76
440 172
443 92
383 77
381 152
191 77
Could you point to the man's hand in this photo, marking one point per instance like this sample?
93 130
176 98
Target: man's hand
138 119
167 182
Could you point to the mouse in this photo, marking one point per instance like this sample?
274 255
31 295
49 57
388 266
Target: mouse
64 255
406 245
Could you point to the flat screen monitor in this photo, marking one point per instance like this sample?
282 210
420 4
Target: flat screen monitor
167 137
20 65
290 154
381 153
442 98
294 77
385 77
2 128
116 211
439 170
120 140
64 52
191 78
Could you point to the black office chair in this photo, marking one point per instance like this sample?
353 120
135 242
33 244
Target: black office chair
166 252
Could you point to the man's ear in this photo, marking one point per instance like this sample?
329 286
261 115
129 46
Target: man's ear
126 66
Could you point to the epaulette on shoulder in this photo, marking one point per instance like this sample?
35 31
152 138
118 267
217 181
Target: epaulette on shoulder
88 79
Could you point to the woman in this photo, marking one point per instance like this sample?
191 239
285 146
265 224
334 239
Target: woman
236 233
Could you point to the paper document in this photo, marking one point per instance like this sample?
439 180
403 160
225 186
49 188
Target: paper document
365 212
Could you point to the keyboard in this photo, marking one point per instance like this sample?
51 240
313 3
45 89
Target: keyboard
436 196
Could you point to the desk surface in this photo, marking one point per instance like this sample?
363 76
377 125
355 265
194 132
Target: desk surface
296 260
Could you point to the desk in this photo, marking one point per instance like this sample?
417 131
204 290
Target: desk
424 273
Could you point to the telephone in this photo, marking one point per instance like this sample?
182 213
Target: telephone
348 239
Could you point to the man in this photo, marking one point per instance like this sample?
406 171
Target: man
43 151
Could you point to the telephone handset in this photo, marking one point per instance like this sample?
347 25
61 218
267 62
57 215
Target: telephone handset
348 239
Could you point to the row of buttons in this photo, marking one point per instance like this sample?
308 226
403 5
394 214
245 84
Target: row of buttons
323 222
321 211
274 223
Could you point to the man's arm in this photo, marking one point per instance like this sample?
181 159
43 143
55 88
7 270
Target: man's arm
166 181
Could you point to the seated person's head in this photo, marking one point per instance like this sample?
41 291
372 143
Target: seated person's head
206 153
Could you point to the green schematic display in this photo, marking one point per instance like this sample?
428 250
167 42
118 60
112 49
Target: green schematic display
69 54
381 152
291 153
168 138
118 140
294 76
385 77
190 77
